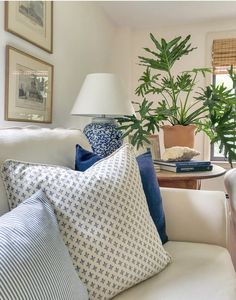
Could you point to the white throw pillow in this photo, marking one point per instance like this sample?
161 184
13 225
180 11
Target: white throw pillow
103 217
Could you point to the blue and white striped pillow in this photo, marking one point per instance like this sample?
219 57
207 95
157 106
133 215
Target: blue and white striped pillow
34 262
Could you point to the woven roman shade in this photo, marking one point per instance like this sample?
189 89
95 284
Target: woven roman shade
223 55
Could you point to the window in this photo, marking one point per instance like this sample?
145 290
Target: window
223 56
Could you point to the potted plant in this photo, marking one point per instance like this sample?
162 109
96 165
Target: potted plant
179 101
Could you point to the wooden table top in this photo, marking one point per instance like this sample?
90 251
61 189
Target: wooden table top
167 175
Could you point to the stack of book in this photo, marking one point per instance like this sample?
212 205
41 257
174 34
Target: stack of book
184 166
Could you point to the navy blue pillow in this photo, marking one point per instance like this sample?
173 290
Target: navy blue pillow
85 159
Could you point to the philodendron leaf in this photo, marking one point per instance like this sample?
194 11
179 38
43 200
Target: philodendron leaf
167 53
232 75
148 83
203 71
221 118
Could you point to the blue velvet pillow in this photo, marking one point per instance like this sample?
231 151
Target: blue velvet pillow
85 159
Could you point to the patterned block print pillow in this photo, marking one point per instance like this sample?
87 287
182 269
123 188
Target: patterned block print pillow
84 159
103 217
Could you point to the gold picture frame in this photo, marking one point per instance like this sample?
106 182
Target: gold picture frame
28 88
31 21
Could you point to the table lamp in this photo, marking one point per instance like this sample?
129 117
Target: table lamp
103 97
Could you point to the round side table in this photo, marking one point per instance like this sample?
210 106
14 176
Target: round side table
189 180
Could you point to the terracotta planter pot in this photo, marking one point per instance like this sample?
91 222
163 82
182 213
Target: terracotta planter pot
178 135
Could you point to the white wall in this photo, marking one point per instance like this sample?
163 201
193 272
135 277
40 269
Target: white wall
133 42
83 43
86 41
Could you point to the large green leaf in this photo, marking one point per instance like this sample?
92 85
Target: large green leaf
220 125
166 53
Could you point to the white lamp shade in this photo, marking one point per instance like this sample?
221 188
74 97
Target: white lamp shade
102 94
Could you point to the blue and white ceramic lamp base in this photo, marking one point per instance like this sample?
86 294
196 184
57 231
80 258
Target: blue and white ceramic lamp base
104 138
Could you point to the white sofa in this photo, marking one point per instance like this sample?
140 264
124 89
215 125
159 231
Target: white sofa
202 267
197 223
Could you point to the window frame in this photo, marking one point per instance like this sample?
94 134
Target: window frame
210 37
213 157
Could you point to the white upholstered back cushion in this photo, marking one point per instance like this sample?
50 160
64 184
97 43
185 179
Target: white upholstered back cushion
38 145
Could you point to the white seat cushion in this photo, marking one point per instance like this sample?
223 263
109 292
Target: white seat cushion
198 271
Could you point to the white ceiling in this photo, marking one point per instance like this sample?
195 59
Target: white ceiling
147 14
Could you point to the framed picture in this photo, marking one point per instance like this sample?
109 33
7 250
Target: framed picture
29 87
32 21
154 146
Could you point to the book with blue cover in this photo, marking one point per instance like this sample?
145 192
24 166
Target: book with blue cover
184 163
186 169
184 166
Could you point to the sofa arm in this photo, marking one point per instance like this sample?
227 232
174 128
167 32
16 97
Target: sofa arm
196 216
230 180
